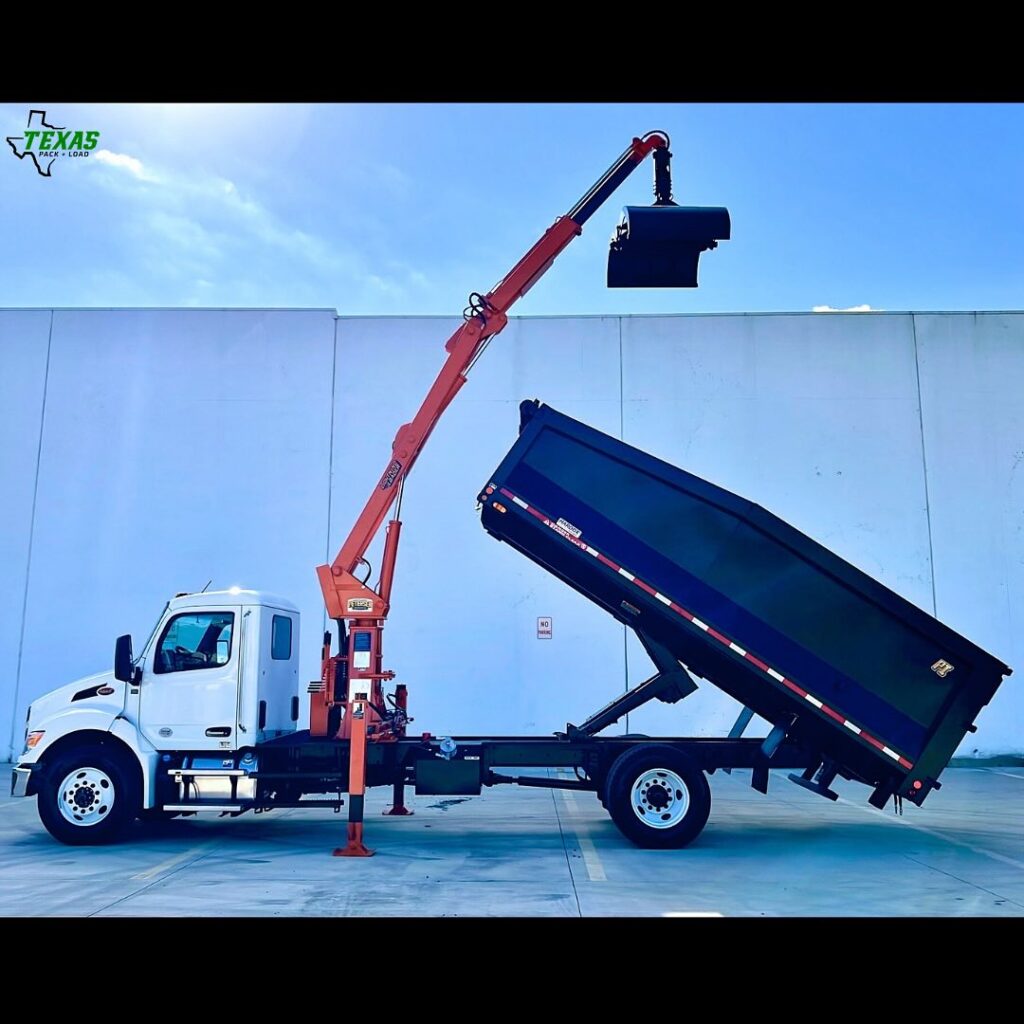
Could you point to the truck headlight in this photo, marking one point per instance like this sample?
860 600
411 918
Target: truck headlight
33 738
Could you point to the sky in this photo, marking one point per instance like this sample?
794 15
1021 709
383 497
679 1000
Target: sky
406 208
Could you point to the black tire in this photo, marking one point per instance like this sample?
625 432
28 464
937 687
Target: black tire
94 784
604 782
670 791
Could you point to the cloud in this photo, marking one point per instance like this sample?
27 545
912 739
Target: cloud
124 162
197 223
199 237
864 308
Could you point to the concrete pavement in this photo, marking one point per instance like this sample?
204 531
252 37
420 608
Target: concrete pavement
530 852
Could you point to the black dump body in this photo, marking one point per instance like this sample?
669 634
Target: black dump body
848 668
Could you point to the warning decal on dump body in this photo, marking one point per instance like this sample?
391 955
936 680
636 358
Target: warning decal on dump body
569 528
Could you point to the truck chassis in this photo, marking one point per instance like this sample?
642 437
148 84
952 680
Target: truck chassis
661 780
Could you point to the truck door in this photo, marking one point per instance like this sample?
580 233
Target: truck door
189 689
278 673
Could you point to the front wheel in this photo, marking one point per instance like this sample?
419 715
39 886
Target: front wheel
88 796
658 796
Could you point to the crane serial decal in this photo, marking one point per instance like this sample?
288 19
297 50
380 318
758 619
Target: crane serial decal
390 475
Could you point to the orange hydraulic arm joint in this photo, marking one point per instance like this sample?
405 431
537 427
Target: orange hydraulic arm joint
348 701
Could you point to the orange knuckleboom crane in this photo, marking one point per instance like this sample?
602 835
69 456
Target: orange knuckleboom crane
348 701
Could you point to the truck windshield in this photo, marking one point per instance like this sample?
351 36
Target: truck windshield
195 640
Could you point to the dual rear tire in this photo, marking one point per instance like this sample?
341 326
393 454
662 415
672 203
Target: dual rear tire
658 796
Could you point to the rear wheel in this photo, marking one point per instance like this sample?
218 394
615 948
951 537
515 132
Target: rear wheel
88 796
603 787
658 796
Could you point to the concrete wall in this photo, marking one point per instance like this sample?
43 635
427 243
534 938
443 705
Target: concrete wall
174 446
144 451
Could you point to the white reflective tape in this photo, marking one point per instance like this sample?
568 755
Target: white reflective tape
738 649
813 700
853 728
520 502
663 599
629 576
591 551
775 675
891 753
698 623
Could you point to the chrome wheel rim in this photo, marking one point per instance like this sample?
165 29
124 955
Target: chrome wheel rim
660 798
85 797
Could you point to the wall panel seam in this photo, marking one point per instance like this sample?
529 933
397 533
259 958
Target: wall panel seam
924 464
31 537
330 451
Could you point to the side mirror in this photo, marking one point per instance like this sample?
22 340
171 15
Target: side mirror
123 658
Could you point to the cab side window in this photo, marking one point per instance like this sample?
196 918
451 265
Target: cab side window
195 641
281 638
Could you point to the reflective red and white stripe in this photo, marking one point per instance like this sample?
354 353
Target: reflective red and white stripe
711 631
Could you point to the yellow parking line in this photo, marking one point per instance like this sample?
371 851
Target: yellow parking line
591 860
172 862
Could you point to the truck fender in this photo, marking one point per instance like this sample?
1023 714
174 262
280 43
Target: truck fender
148 757
64 723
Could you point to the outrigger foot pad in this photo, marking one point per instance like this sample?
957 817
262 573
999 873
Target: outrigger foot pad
354 847
398 808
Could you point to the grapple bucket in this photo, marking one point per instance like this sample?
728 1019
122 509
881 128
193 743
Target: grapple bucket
659 246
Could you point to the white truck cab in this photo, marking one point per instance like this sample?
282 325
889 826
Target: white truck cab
218 675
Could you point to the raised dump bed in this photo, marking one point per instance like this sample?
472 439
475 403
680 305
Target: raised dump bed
879 690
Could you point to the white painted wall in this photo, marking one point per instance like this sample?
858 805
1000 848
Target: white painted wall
177 445
24 344
972 397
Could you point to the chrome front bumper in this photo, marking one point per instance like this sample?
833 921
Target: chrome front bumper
19 781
